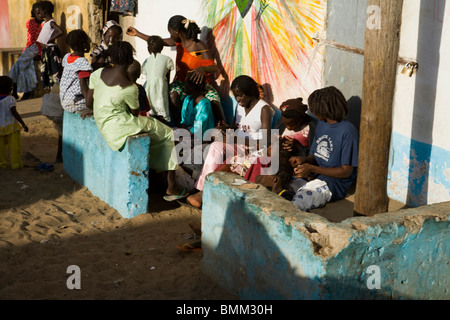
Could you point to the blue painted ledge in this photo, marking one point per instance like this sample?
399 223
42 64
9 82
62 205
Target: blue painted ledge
119 178
260 246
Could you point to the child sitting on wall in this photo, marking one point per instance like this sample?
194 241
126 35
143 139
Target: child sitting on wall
333 157
74 83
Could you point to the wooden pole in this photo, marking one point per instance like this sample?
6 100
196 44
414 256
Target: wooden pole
382 40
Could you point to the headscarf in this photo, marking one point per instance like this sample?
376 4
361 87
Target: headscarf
104 46
107 26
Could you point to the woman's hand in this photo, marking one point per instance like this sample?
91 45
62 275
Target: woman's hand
198 75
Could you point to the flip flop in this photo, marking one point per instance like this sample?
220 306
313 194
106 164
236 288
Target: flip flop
191 247
173 197
45 166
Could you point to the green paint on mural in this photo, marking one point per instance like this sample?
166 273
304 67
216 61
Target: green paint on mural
243 6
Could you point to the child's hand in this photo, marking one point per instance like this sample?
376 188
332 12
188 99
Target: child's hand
289 144
303 170
131 31
25 128
85 113
295 161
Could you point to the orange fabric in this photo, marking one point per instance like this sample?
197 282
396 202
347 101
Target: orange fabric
186 62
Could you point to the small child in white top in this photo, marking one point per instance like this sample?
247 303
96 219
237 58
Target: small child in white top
10 125
157 69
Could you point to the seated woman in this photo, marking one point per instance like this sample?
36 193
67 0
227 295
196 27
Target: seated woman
252 122
116 107
192 55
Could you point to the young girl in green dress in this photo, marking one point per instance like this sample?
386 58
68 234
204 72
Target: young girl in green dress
116 112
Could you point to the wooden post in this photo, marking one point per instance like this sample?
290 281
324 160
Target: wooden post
382 40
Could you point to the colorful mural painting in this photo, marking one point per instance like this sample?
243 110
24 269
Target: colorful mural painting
270 40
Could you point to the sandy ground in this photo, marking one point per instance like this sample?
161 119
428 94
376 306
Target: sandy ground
48 222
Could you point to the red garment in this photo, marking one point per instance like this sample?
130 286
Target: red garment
33 30
255 170
187 61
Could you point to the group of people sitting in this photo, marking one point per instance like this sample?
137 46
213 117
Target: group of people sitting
317 148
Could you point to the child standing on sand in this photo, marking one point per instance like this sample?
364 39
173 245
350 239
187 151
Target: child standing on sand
51 54
157 68
10 125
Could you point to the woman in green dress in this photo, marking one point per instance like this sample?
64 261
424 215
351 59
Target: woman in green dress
116 111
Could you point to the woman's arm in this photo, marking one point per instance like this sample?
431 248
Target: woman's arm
132 31
200 72
266 126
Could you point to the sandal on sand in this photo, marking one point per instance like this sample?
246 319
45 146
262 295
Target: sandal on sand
173 197
45 166
191 247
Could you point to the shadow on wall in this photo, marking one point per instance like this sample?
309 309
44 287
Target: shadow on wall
354 111
62 40
246 240
428 55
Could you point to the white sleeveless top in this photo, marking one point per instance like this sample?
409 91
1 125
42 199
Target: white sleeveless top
46 32
250 125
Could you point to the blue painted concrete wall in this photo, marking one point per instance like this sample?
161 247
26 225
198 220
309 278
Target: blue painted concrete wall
120 178
419 173
260 246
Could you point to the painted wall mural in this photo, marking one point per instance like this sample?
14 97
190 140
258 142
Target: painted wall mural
271 41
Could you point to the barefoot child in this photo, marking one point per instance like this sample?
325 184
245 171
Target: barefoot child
10 124
116 109
333 157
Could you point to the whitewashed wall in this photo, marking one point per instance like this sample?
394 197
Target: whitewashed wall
153 17
420 151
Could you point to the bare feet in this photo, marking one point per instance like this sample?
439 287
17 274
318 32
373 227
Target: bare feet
195 199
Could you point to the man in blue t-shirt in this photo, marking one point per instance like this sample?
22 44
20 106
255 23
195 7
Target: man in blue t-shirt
333 158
